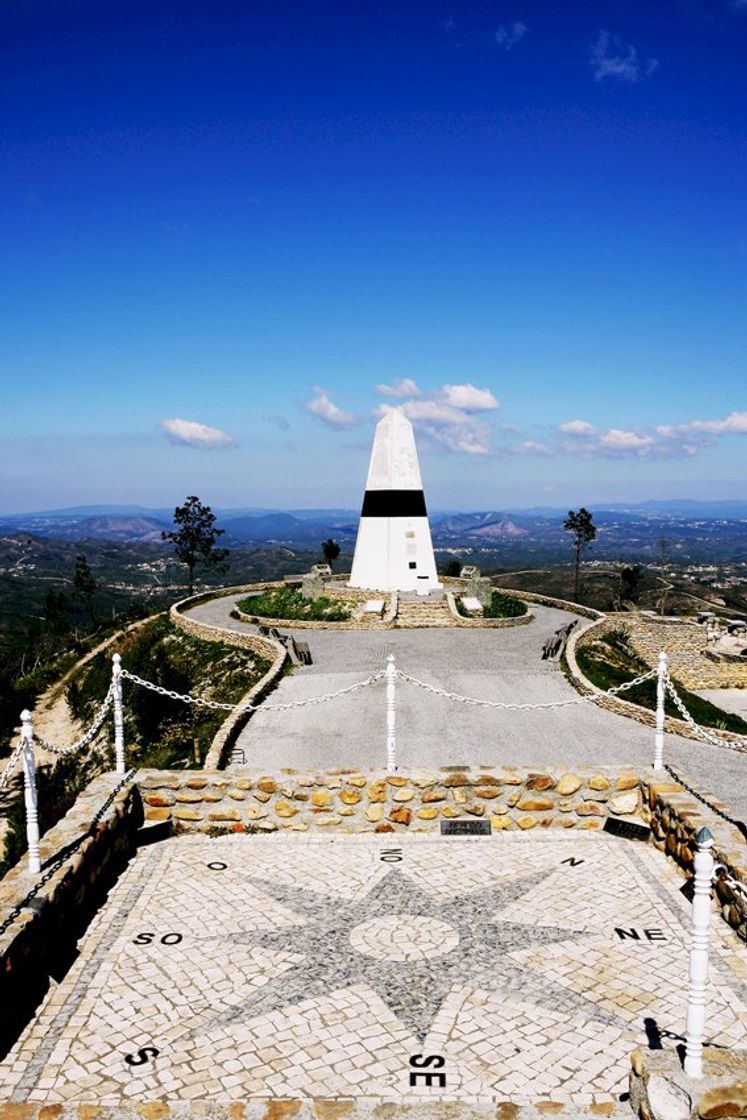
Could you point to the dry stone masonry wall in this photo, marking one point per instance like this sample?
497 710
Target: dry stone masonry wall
685 644
354 801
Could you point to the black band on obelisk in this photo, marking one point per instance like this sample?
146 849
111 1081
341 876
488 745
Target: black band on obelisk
394 503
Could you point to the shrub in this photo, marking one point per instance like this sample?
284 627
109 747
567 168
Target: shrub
501 606
287 603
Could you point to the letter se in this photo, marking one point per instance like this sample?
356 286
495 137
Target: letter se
422 1061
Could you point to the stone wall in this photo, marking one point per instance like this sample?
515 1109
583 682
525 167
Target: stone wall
40 942
684 642
267 648
616 704
675 816
353 801
483 623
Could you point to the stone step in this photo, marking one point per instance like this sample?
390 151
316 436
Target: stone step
428 613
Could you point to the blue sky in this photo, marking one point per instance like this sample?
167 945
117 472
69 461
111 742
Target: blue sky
233 232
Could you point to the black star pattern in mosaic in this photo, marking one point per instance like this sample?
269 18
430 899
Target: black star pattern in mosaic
415 990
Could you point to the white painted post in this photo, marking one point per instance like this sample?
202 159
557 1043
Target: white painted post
119 748
391 715
29 792
661 692
694 1029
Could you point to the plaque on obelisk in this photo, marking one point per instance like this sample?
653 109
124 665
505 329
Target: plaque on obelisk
393 550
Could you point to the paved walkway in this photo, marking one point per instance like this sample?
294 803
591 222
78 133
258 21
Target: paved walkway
519 969
493 664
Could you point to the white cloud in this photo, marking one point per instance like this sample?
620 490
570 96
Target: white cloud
444 417
577 428
582 438
324 409
507 36
611 58
405 387
445 427
532 447
734 423
190 433
469 398
617 439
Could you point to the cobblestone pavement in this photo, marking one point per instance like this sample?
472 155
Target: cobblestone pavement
521 969
431 732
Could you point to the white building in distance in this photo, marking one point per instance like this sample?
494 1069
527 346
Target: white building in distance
393 550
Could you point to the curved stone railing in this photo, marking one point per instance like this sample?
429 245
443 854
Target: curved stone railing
265 647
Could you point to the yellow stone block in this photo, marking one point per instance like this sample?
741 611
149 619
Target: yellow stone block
527 822
427 814
349 796
283 809
501 823
568 784
321 798
403 795
374 813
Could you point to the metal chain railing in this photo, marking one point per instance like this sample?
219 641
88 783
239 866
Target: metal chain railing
57 861
740 825
591 698
10 766
85 739
740 744
202 702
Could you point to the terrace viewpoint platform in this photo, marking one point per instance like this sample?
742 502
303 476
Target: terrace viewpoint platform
517 970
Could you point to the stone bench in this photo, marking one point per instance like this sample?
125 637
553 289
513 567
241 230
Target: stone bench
471 604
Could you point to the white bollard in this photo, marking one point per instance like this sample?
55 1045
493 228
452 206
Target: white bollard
391 715
29 792
661 693
119 748
694 1029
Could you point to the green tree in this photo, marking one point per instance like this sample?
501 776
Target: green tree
56 607
84 586
583 532
195 537
452 567
331 550
631 577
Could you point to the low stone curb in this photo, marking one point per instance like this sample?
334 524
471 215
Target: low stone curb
319 1108
267 648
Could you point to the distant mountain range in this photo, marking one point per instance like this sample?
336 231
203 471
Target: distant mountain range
307 528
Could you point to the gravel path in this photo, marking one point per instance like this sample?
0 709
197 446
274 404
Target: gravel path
432 731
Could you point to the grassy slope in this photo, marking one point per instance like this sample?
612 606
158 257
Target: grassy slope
159 732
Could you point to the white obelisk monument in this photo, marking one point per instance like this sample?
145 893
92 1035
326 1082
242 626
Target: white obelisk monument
393 550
